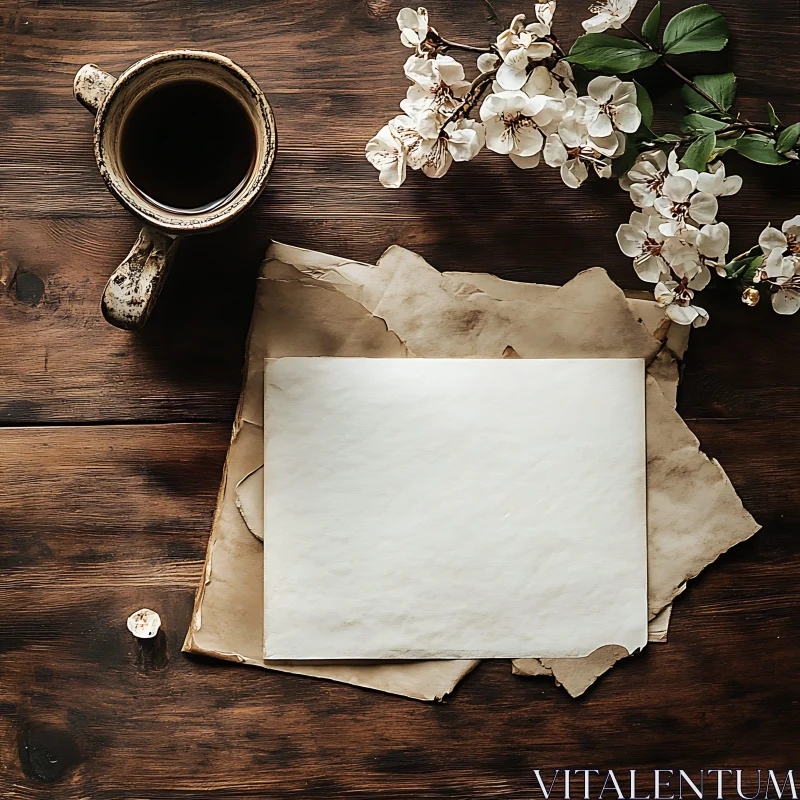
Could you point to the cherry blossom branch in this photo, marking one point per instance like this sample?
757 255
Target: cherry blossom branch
471 97
450 45
688 81
556 46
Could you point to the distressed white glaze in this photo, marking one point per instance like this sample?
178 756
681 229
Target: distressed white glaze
133 288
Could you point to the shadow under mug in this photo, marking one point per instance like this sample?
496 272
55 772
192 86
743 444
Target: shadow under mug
133 288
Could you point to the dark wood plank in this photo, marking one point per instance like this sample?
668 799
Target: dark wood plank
60 361
102 519
106 519
62 233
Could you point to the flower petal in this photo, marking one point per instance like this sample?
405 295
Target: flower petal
598 23
701 279
786 302
450 71
525 162
625 93
683 315
642 195
487 62
465 143
714 240
772 239
538 82
630 240
555 154
710 182
539 51
703 207
574 173
677 188
407 18
627 117
528 142
664 293
650 269
516 59
601 126
792 226
602 87
498 137
511 79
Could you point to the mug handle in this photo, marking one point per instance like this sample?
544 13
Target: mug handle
132 289
134 286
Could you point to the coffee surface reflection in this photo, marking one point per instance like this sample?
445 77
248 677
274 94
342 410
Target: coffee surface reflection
188 146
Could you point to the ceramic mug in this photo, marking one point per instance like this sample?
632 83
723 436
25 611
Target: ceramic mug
133 288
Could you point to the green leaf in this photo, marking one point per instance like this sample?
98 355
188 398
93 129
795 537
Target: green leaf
650 26
760 149
645 104
669 137
721 88
602 52
753 266
788 138
696 157
697 123
723 145
697 29
773 117
745 263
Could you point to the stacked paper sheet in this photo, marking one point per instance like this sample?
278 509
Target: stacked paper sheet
309 304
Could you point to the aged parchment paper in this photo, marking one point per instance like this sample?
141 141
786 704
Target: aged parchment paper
454 508
312 304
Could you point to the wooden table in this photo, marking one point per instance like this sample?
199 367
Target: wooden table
112 443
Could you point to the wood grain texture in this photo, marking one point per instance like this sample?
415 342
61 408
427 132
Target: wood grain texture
99 518
121 517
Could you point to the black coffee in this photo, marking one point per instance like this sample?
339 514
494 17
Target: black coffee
188 145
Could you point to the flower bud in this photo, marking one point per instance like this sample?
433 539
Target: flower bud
751 296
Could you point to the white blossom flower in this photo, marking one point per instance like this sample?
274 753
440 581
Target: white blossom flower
610 105
713 241
782 247
714 181
781 266
511 127
387 153
676 299
518 45
461 141
608 14
680 202
542 83
687 263
641 240
435 93
434 73
566 154
571 149
645 179
413 26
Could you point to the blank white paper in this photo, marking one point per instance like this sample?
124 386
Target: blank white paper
454 508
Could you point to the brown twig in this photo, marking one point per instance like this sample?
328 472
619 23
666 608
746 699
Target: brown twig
556 46
471 98
467 48
678 74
